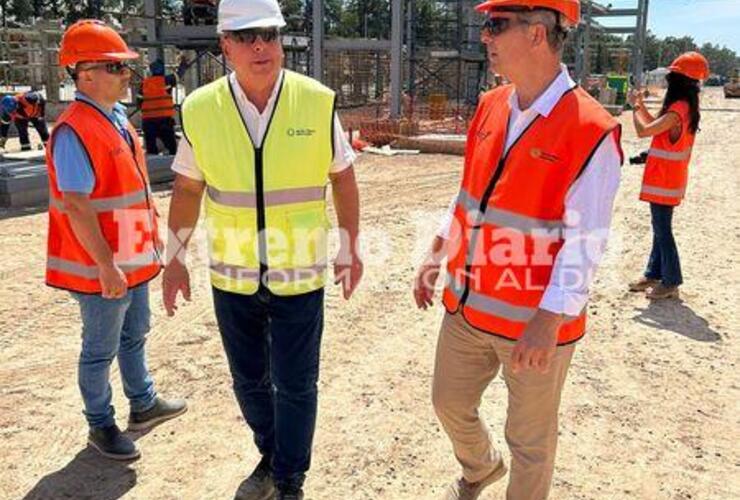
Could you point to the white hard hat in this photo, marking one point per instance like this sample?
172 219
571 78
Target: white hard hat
234 15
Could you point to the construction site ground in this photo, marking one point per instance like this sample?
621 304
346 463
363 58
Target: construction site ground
650 408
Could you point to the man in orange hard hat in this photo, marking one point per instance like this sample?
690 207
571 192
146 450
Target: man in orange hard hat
523 238
103 245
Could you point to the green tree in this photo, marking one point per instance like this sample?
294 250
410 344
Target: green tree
722 61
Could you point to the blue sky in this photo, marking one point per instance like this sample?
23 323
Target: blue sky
715 21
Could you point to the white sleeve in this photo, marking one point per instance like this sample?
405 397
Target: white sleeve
184 162
344 155
588 208
444 227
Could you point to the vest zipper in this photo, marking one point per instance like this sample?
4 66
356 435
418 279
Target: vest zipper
260 187
482 210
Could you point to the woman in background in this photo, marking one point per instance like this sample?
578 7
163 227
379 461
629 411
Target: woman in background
666 172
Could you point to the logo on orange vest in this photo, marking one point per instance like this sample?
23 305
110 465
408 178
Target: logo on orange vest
539 154
300 132
482 135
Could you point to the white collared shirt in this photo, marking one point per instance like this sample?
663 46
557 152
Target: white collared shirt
589 203
185 164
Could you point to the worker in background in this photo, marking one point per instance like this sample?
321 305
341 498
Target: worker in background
103 245
23 109
523 238
263 143
666 171
158 109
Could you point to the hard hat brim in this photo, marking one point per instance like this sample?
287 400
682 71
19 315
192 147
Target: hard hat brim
572 12
98 56
260 23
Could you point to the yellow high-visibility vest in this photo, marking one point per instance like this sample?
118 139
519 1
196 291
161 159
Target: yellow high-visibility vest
265 207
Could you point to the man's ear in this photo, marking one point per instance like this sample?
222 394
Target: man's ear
224 47
538 34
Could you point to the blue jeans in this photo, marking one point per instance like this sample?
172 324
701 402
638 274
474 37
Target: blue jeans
114 328
272 344
664 263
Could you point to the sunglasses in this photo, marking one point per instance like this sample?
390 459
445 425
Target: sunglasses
113 68
497 25
249 36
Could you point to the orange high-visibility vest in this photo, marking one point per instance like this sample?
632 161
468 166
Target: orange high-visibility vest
156 100
667 168
509 218
26 109
121 197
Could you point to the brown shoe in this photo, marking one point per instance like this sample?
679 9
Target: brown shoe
463 490
642 284
660 291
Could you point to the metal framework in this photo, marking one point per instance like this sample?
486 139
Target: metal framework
451 58
594 12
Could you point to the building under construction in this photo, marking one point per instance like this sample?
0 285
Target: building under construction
422 75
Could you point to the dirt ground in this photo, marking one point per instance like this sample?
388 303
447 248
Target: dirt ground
650 409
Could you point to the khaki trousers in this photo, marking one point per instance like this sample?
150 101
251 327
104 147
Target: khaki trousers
467 361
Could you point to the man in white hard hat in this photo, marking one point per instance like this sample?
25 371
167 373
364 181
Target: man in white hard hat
263 143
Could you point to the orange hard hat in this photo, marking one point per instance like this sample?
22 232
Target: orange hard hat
691 64
571 9
92 40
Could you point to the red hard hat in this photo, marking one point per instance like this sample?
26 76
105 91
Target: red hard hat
92 40
691 64
571 9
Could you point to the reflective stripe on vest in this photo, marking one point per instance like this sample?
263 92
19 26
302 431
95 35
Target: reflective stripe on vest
670 155
658 191
265 209
107 204
93 271
505 218
281 275
272 198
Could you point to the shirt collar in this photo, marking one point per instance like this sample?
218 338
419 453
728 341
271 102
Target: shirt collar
545 103
241 96
118 108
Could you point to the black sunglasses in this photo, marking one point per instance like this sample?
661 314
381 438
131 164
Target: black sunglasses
114 68
249 36
497 25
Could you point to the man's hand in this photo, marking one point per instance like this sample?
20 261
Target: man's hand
428 272
536 347
113 281
424 283
348 269
175 279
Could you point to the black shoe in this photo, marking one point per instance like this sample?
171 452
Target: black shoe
259 485
290 494
112 443
162 411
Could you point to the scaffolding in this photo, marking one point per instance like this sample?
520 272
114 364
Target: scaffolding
429 68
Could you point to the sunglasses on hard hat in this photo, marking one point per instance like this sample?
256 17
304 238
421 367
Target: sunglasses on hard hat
498 25
113 68
249 36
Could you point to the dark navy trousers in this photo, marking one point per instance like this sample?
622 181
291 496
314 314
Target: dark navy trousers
272 344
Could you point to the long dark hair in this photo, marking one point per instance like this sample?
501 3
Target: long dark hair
683 88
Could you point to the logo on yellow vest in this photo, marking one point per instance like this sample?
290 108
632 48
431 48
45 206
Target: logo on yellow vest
300 132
